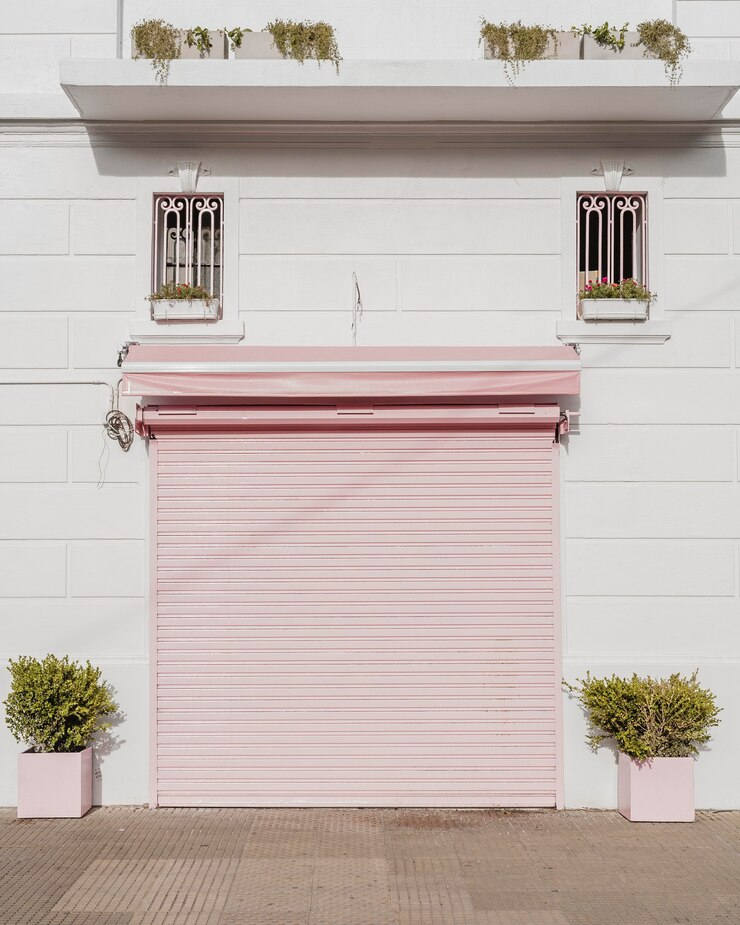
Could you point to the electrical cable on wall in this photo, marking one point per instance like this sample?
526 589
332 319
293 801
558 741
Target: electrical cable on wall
356 308
117 425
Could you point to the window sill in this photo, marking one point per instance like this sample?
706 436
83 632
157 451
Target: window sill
613 332
145 331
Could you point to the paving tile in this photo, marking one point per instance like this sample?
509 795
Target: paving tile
134 866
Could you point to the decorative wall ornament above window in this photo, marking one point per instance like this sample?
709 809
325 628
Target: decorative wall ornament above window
188 172
612 172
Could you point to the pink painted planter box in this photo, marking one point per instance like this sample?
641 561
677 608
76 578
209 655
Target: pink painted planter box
658 790
54 784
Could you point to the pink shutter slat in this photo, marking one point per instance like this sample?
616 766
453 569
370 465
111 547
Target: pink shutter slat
356 618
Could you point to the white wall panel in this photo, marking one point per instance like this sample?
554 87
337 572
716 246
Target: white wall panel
643 396
64 172
80 627
698 339
30 63
315 284
31 570
91 451
51 404
96 339
33 341
72 512
79 283
108 569
600 509
701 284
42 16
603 453
708 17
33 454
480 283
391 227
736 227
629 568
674 627
34 227
458 328
93 46
104 226
695 226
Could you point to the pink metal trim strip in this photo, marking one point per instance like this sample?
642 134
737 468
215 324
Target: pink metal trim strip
153 616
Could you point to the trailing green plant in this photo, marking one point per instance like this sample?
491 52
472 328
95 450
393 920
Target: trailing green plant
648 717
56 705
662 39
625 289
159 41
605 35
515 44
302 40
235 36
201 39
176 291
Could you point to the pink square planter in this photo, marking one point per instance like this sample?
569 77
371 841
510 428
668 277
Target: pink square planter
657 790
54 784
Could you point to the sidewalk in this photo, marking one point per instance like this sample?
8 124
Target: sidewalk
134 866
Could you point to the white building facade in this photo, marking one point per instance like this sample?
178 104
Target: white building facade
419 180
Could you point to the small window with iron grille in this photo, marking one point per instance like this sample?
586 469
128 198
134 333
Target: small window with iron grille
188 241
612 238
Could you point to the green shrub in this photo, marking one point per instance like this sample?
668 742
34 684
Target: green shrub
605 35
201 39
56 705
515 44
160 42
301 40
662 39
648 717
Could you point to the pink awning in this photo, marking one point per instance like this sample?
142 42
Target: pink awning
326 373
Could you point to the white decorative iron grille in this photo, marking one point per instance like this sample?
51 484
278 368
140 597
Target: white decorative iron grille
611 232
187 241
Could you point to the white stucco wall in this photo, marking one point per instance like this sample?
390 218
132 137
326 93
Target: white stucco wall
451 246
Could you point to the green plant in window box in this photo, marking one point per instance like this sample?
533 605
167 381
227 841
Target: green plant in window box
160 42
647 717
625 289
170 292
662 39
605 35
56 705
302 40
200 38
515 44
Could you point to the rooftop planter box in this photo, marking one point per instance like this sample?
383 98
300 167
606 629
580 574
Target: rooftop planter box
563 46
192 45
257 46
594 51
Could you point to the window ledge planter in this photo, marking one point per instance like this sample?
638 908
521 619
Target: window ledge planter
593 51
567 47
613 309
185 309
656 790
53 785
257 45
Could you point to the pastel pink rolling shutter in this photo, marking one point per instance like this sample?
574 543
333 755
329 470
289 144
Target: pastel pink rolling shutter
356 615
